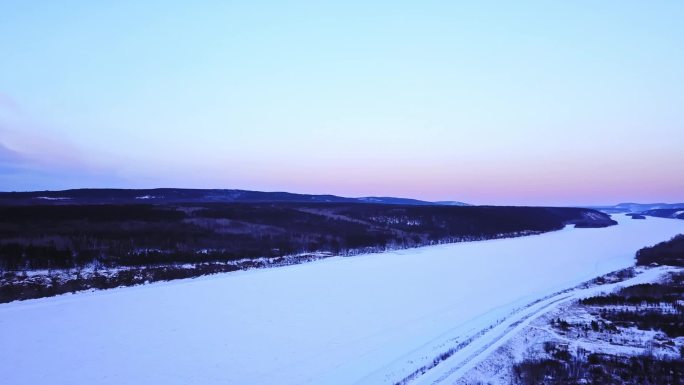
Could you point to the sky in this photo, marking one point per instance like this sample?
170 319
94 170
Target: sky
487 102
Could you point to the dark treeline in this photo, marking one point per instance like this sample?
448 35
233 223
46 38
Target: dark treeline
665 253
17 287
600 369
657 306
68 236
672 324
92 213
648 293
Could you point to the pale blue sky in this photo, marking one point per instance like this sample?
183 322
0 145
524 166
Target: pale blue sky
544 102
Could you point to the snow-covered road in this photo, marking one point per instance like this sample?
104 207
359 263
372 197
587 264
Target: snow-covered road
366 319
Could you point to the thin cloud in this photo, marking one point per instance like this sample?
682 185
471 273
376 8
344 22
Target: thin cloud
21 172
8 104
9 156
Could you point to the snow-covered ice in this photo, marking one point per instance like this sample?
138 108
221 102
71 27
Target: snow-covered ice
364 319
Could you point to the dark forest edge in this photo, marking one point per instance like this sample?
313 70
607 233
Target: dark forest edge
47 250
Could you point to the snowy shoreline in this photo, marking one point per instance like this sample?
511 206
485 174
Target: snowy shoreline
44 283
528 342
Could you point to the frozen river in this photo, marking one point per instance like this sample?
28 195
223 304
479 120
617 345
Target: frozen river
363 319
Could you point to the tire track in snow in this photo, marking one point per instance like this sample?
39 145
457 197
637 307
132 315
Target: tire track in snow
513 319
517 321
510 330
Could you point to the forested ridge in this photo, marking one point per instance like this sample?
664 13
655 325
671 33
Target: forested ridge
67 236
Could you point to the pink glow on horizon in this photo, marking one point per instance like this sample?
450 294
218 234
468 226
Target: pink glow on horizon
557 103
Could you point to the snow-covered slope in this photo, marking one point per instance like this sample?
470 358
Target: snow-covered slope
366 319
485 361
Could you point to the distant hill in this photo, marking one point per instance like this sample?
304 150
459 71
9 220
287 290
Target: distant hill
675 213
638 207
176 195
452 203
